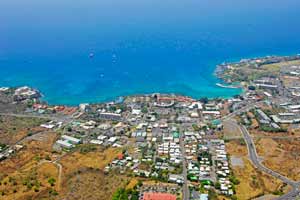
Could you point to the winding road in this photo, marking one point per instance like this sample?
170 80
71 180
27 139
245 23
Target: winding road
59 167
253 156
64 119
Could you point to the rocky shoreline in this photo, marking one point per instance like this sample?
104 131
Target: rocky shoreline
256 62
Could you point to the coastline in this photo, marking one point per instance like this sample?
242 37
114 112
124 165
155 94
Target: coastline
118 121
221 86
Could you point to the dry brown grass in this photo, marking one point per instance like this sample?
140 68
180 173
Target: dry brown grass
234 147
133 182
290 81
93 185
27 166
253 183
22 177
32 151
46 171
281 155
12 129
278 66
254 124
231 131
97 159
83 176
291 133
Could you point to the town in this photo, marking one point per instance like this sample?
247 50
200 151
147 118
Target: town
172 146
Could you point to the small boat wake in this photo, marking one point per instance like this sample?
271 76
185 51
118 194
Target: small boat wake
227 86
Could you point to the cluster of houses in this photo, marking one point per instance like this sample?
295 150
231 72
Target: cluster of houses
114 141
286 84
288 114
110 139
291 116
291 79
51 125
211 110
153 123
6 150
146 156
4 154
155 127
198 157
286 118
41 108
222 167
264 119
168 134
162 157
106 133
170 147
67 142
267 83
198 172
123 162
22 94
26 93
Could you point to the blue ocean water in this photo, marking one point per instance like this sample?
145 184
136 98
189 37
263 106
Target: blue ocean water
139 46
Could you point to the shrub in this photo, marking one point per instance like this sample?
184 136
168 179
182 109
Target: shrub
51 181
234 180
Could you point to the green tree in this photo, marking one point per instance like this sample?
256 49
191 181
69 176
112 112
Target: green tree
144 109
51 181
120 194
218 185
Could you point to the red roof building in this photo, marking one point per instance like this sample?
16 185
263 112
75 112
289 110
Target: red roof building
121 156
158 196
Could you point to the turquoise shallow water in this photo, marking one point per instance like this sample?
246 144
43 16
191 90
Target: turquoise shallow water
139 46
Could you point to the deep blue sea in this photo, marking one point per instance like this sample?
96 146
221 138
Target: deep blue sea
138 46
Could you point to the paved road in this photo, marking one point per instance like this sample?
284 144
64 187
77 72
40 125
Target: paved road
185 190
64 119
294 193
22 140
27 115
241 110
